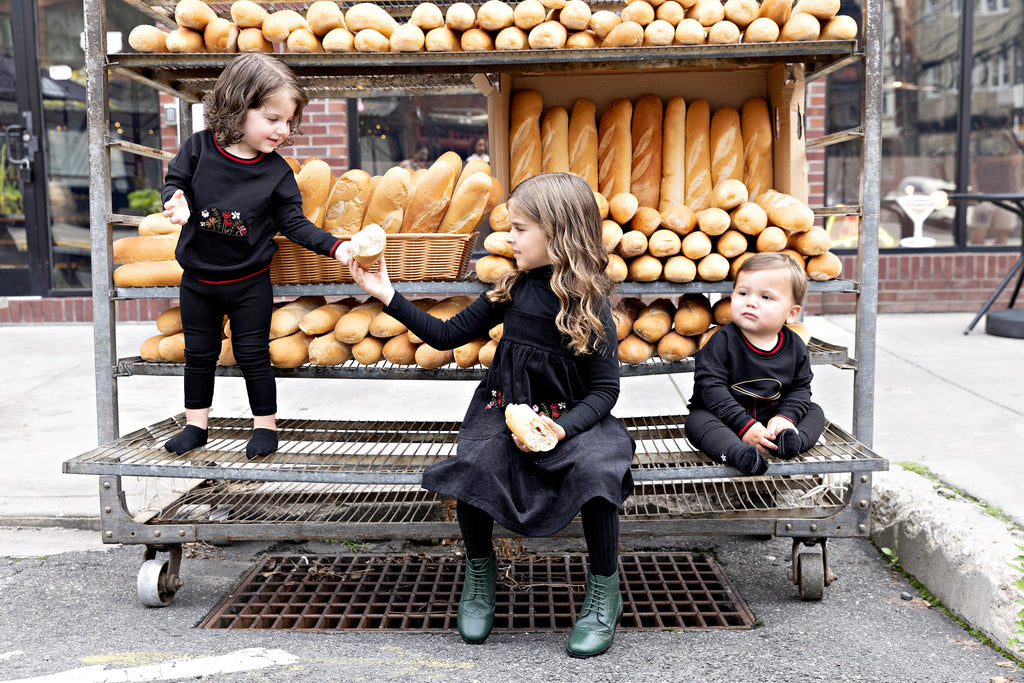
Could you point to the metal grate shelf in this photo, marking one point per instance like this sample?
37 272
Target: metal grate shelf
421 593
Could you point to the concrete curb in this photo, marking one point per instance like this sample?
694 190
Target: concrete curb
958 552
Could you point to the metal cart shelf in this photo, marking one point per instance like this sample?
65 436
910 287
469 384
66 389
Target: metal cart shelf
361 480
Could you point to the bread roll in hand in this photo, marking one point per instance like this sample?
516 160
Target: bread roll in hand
529 428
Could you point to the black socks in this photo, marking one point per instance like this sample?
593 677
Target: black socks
788 443
263 442
747 460
187 439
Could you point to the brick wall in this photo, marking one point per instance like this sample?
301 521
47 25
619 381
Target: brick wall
76 309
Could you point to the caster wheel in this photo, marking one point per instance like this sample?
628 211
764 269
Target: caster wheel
811 576
157 587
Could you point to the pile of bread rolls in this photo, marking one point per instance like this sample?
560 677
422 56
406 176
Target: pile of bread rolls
685 193
670 331
312 330
147 260
446 197
494 25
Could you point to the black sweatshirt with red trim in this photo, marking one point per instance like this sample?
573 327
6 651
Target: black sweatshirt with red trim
237 206
741 384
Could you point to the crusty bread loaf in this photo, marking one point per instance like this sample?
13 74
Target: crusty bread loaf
528 427
442 39
468 355
644 268
741 12
427 16
634 350
248 14
726 146
185 40
713 268
663 243
673 155
408 38
430 198
748 218
278 25
253 40
460 16
368 350
149 349
326 350
512 38
339 40
611 235
713 221
476 40
285 319
698 155
622 207
430 358
840 27
169 321
525 149
679 268
322 319
399 350
220 35
674 347
786 211
386 205
467 205
756 127
147 38
148 274
824 267
315 182
346 204
193 14
617 270
731 243
680 219
776 10
144 248
367 15
707 12
615 148
355 325
583 141
800 26
646 140
696 245
624 34
158 224
172 348
368 245
761 30
554 137
690 32
443 310
633 243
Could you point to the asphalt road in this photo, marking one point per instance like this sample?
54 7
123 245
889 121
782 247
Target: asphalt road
64 613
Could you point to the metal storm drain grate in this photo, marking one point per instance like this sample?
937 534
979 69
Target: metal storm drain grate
421 593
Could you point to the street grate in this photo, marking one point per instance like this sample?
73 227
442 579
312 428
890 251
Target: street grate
421 593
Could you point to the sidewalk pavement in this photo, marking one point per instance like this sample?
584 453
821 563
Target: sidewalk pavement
950 402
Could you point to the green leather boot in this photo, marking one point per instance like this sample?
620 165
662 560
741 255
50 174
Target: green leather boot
595 626
476 607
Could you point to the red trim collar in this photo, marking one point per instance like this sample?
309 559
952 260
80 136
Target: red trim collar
774 349
231 156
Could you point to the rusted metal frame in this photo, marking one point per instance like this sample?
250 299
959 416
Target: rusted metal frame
836 138
152 10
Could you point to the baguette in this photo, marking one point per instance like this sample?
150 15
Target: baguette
468 203
813 242
527 14
476 40
839 27
399 350
346 204
285 320
776 10
279 25
227 353
408 38
185 40
663 243
639 11
468 355
741 12
713 268
355 325
444 310
324 16
614 148
498 220
430 358
611 235
291 351
471 167
698 155
772 238
147 38
430 199
148 274
489 268
603 21
625 34
617 270
253 40
731 243
529 428
494 15
713 221
368 350
372 41
800 26
624 315
622 207
786 211
674 347
583 141
822 10
172 348
169 321
726 146
673 155
633 243
634 350
756 128
323 318
303 41
367 15
729 193
707 12
644 268
525 150
696 245
690 32
496 244
326 350
248 14
144 248
386 206
427 16
824 267
193 14
646 220
575 16
724 33
441 39
149 349
315 182
748 218
512 38
646 140
679 268
460 16
158 224
680 219
761 30
487 353
554 133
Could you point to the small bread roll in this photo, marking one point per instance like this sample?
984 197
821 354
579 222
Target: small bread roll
512 38
707 12
476 40
713 268
721 312
372 41
675 347
638 11
812 242
772 238
664 243
634 350
633 243
786 211
658 33
582 40
494 15
367 15
616 269
549 35
368 350
172 348
355 325
575 16
147 38
761 30
530 13
748 218
183 40
646 220
408 38
800 26
291 351
430 358
442 39
731 243
679 268
324 16
495 244
822 10
741 12
680 219
840 27
724 33
169 321
692 315
622 207
603 21
529 428
304 41
611 234
149 350
498 220
460 17
489 268
427 16
690 32
625 34
253 40
279 25
801 330
696 245
824 267
644 268
670 11
193 14
322 319
248 14
713 221
776 10
704 338
339 40
468 355
729 194
654 320
368 245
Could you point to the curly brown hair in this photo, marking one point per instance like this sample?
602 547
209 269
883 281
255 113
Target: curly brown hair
246 83
564 207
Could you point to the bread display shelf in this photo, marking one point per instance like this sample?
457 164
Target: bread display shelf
327 75
822 353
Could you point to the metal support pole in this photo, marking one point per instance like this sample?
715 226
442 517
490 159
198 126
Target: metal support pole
963 119
870 201
103 313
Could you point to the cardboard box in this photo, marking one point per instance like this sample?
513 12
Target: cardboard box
782 85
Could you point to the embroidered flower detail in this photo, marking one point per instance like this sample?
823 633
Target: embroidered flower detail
205 213
235 215
496 401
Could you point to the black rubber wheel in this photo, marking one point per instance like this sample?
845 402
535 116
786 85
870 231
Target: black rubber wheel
811 572
1005 323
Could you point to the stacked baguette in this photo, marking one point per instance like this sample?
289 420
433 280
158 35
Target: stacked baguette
147 260
686 193
312 330
494 25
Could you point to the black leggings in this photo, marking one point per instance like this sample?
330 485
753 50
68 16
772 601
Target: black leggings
600 528
248 304
714 438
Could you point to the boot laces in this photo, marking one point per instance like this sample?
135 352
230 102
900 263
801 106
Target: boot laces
595 599
476 580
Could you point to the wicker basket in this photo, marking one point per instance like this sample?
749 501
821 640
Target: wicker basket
410 257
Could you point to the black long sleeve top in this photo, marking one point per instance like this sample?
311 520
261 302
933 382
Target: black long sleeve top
742 384
533 295
237 206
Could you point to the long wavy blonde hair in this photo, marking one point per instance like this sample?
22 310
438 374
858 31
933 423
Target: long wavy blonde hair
563 206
